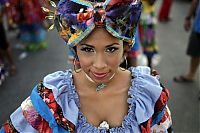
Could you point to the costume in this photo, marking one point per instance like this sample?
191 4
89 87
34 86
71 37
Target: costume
194 41
54 106
29 17
76 19
147 30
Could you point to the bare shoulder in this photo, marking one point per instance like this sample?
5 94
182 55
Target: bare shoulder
123 80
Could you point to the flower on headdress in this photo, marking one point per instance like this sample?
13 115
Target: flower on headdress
72 18
74 36
81 17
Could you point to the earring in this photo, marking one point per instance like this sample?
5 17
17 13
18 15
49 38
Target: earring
75 64
126 64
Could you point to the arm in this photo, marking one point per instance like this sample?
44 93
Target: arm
187 24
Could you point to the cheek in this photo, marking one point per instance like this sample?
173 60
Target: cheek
115 60
85 61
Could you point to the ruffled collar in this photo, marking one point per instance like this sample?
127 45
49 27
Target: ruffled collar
129 118
142 96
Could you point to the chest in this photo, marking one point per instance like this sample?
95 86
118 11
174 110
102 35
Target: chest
111 108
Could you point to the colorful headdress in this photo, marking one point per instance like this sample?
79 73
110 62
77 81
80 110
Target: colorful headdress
75 19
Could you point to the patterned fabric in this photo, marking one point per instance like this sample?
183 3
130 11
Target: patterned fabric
75 19
48 97
147 30
33 118
9 128
147 106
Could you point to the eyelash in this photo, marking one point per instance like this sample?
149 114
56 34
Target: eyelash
87 49
110 49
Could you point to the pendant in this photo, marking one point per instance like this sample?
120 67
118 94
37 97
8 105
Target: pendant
100 86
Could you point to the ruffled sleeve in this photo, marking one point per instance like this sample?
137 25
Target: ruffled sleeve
63 90
144 93
49 108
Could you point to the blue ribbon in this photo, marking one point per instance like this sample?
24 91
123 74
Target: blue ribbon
41 107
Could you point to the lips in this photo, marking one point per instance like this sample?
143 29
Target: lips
99 75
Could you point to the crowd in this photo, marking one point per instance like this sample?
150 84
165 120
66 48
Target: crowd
27 20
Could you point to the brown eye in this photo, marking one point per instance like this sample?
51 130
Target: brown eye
111 49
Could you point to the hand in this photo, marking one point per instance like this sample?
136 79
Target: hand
187 25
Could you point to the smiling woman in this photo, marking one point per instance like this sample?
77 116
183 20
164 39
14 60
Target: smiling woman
101 96
100 59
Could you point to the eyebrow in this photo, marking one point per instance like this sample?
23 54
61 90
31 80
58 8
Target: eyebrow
106 46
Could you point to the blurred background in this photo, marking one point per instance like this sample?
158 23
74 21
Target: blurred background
31 52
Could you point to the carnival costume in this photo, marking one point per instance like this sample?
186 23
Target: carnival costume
54 104
147 30
29 17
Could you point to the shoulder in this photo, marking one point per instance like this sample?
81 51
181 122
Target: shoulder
145 92
146 78
57 79
146 81
152 98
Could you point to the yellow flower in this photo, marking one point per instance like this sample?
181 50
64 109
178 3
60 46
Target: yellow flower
75 36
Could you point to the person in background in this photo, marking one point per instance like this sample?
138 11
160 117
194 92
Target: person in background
101 96
5 48
147 31
193 49
164 13
29 18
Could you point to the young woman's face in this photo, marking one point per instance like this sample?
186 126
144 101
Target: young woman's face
100 55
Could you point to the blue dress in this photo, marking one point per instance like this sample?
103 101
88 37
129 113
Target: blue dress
55 107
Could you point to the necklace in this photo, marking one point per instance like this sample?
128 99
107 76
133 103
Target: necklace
100 86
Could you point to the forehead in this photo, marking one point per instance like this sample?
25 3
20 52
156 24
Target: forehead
101 37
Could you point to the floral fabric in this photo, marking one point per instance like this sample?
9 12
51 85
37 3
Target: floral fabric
147 30
75 19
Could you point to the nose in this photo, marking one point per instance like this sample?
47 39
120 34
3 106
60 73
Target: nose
99 62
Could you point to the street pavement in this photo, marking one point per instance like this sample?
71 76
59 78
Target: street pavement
172 40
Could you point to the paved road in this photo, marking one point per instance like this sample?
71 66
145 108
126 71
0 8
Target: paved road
172 40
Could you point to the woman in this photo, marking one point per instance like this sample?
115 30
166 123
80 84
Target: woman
100 96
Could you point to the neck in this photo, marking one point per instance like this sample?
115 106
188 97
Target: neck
99 86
